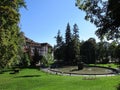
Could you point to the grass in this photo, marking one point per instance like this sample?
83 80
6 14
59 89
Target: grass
107 65
33 79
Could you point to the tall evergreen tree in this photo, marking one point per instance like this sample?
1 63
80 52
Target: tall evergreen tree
68 58
68 34
75 45
59 39
9 32
59 48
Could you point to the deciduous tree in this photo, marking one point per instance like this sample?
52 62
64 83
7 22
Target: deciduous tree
104 14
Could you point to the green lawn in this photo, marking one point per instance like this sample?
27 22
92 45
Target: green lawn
106 65
32 79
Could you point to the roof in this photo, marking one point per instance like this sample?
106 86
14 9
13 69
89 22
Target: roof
33 43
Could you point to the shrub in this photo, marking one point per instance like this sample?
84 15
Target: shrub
80 65
118 87
47 60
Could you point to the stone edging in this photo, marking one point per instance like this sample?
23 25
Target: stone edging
48 70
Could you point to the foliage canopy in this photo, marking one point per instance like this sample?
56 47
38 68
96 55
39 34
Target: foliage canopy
104 14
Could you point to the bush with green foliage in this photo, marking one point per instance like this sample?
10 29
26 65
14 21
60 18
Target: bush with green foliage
47 60
25 62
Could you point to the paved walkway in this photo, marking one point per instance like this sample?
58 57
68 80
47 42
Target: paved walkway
48 70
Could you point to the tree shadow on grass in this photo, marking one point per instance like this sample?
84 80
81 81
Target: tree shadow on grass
28 76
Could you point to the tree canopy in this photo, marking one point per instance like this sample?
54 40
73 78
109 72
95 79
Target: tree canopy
10 32
104 14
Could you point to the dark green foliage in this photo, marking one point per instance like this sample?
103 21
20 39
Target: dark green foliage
118 87
87 52
25 62
68 45
102 52
80 65
68 52
117 53
59 39
75 45
111 49
104 14
68 35
59 53
36 57
59 48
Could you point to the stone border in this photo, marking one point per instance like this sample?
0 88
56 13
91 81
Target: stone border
48 70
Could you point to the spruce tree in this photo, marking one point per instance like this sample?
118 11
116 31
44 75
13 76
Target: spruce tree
59 48
75 45
59 39
68 36
10 32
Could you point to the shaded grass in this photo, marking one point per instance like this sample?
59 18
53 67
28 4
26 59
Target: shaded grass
32 79
106 65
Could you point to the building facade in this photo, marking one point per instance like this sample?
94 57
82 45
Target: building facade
42 48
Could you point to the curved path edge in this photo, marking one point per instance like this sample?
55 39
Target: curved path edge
48 70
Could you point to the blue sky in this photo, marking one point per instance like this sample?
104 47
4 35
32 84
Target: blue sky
43 18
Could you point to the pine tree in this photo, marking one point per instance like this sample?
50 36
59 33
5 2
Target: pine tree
10 32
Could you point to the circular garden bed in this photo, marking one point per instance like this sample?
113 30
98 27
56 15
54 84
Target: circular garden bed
91 70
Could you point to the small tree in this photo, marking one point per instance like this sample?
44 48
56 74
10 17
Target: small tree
47 59
36 57
25 62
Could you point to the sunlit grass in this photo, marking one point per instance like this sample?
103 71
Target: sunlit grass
32 79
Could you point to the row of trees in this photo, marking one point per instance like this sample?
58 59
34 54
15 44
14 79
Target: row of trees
100 52
68 50
105 15
72 51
